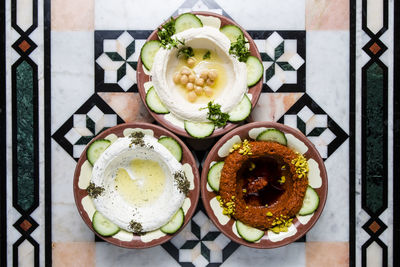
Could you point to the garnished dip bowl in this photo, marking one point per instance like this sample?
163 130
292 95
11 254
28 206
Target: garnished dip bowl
200 74
264 185
136 185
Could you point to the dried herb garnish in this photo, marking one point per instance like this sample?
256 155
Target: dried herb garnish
182 182
135 227
207 55
137 139
187 52
94 191
215 115
239 49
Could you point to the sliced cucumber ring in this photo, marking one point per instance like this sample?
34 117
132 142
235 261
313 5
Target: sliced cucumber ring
148 52
272 135
187 21
175 223
233 32
154 102
173 146
241 111
249 233
255 70
95 149
310 202
199 129
103 226
214 175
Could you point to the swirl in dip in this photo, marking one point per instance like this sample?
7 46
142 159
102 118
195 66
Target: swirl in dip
185 85
141 184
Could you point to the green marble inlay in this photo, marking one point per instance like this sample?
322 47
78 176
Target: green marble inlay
25 136
374 143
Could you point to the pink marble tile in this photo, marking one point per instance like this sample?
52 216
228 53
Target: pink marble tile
332 254
72 15
77 254
327 14
128 106
271 107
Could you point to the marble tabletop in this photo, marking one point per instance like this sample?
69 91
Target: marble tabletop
69 72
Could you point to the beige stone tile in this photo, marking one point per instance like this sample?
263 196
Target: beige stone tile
72 15
128 106
332 254
327 14
77 254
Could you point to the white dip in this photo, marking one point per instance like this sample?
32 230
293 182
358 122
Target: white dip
232 74
138 183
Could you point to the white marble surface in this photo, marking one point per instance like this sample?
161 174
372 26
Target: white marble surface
327 73
72 73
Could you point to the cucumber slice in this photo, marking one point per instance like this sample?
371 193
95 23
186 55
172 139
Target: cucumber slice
214 175
103 226
233 32
199 129
310 202
175 223
249 233
154 102
255 70
272 135
148 52
187 21
173 146
96 148
241 111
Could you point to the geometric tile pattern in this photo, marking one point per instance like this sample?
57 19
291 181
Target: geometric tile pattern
283 57
116 56
93 117
313 122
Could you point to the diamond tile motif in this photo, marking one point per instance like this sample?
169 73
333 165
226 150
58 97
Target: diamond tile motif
313 122
200 5
283 56
88 121
374 227
200 243
116 55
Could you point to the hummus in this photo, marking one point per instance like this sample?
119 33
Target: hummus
141 184
229 88
263 187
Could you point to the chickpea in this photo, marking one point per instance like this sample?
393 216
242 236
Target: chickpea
198 90
210 82
192 78
185 71
199 81
184 79
204 74
208 91
192 96
191 62
190 86
177 77
213 74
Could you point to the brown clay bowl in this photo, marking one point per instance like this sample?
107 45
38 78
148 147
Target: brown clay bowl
142 78
187 157
264 242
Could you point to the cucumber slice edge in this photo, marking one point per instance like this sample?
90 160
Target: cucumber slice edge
211 179
177 151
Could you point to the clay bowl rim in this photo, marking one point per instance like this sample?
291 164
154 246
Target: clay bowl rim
187 157
312 152
255 90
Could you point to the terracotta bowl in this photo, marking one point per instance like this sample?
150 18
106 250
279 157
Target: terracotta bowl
142 78
186 158
208 194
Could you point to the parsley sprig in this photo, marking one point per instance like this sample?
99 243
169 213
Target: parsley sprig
207 55
187 52
239 49
165 35
215 115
